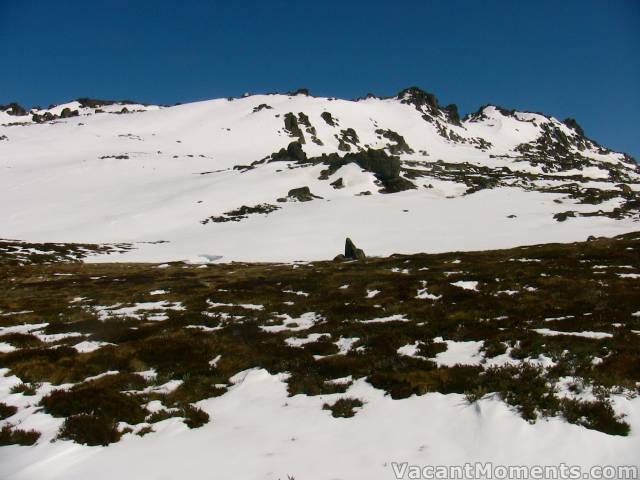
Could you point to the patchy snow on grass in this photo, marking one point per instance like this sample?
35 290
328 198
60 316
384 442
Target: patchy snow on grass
205 328
506 292
90 346
466 284
21 312
165 388
345 344
553 333
553 319
340 381
148 375
391 318
139 311
372 293
410 350
297 292
628 275
24 328
300 341
424 294
246 306
405 271
56 337
463 353
7 347
303 322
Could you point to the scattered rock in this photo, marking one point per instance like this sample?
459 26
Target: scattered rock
96 103
241 213
562 216
301 194
399 144
262 106
327 117
337 184
300 91
347 138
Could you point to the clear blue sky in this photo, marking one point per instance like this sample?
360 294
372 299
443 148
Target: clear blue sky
566 58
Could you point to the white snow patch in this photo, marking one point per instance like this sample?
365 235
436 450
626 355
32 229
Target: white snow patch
391 318
303 322
553 333
90 346
299 341
463 353
345 344
466 284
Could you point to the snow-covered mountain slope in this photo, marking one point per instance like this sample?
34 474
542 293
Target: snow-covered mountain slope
399 174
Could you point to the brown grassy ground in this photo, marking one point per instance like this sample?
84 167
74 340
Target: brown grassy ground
584 285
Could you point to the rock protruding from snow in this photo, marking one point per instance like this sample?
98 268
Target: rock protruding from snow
351 252
301 194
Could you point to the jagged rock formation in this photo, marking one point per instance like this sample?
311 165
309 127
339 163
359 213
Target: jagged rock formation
351 252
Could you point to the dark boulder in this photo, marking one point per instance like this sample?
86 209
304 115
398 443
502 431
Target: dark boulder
351 252
294 150
67 113
377 161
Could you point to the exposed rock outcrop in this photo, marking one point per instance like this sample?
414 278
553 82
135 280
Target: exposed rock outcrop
351 252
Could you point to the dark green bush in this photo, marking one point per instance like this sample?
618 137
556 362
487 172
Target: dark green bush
595 415
194 417
15 436
24 388
344 407
89 430
7 411
94 400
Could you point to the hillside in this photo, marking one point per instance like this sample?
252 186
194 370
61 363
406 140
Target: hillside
216 180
